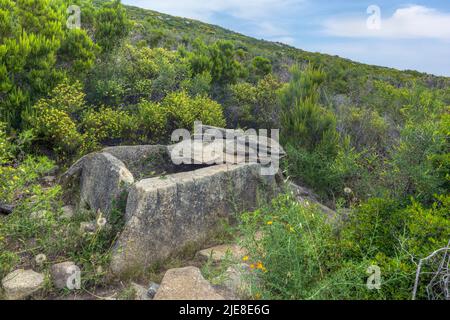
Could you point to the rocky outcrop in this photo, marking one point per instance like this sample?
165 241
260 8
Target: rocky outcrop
21 284
171 204
307 197
186 284
164 214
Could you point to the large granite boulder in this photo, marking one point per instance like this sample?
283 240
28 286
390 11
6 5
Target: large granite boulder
165 214
102 182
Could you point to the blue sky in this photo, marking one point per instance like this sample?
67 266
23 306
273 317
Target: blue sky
408 35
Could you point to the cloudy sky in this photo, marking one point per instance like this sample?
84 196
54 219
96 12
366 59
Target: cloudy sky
404 35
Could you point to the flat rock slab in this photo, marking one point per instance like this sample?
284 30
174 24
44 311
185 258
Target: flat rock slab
186 284
165 214
21 284
222 252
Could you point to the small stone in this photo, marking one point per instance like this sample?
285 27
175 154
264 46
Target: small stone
6 208
237 280
88 226
152 290
140 292
219 253
39 214
21 284
53 171
186 284
67 212
49 180
62 272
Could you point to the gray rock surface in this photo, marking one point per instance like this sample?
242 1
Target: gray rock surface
61 272
67 212
307 197
145 160
164 214
140 292
152 289
237 280
102 182
186 284
21 284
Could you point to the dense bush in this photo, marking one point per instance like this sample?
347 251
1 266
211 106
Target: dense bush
151 119
300 255
134 74
184 110
219 59
110 24
107 124
32 53
53 119
55 128
255 106
372 140
308 131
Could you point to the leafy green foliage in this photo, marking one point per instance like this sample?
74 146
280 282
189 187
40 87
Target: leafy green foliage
152 120
219 59
110 24
373 140
256 105
107 124
184 110
33 51
302 256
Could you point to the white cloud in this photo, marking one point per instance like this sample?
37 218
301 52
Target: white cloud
204 10
411 22
259 18
431 56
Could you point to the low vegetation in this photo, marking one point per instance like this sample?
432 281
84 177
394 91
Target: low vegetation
372 142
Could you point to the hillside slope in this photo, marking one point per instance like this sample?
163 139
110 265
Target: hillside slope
164 30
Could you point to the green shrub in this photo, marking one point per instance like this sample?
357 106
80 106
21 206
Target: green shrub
111 24
5 153
367 129
107 124
136 73
55 127
152 120
200 84
36 51
261 66
308 131
257 105
298 254
184 110
413 170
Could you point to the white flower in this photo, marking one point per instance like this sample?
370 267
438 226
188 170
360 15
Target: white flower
99 270
40 258
101 222
347 190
